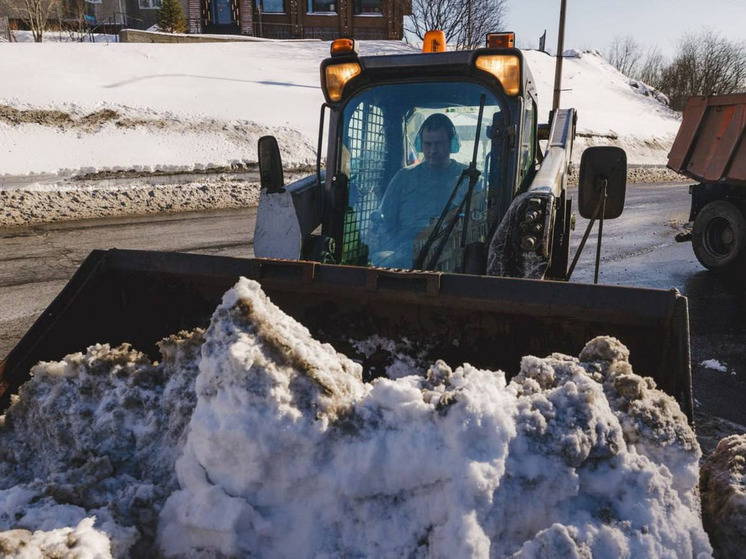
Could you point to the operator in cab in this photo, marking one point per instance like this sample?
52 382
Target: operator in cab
418 194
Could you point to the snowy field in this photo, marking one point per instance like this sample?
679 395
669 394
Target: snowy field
71 108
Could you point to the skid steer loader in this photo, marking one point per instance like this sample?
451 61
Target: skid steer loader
483 281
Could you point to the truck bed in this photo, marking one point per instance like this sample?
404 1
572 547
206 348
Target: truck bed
710 145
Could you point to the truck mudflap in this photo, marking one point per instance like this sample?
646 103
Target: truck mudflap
140 297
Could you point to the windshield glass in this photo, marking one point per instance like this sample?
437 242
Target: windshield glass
405 149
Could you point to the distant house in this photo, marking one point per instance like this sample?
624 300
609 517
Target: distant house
275 19
285 19
110 14
96 11
137 14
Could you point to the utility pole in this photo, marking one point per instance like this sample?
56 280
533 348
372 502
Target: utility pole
558 66
468 24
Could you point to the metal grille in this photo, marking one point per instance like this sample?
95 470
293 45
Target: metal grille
366 138
370 33
288 31
273 30
323 33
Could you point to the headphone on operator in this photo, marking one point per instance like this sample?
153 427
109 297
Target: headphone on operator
438 121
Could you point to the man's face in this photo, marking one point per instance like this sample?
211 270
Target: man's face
436 147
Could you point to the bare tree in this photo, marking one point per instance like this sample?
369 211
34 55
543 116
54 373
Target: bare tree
75 21
650 70
624 54
34 13
6 33
704 64
464 22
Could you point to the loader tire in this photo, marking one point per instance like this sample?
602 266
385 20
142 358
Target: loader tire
719 237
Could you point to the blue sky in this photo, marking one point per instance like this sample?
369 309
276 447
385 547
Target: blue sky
594 23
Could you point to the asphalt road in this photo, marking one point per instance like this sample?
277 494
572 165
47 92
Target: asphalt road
35 263
638 249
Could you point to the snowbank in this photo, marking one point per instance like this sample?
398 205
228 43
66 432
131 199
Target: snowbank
177 106
723 487
123 196
610 110
254 430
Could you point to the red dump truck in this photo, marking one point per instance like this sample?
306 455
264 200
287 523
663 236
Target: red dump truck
710 148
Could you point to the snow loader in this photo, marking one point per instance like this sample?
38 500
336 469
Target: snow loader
484 281
710 148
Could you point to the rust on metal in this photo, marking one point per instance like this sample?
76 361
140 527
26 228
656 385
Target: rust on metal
710 144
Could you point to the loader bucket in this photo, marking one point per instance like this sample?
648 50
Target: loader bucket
140 297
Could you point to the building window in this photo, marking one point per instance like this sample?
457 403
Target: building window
272 6
322 6
149 4
363 7
94 1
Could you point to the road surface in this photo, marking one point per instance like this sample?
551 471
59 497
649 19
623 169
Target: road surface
638 250
36 263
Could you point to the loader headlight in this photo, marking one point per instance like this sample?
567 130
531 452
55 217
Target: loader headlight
505 67
336 76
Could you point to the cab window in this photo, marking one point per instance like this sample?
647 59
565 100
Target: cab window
404 148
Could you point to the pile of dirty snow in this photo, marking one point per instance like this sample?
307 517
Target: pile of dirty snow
25 208
254 430
723 486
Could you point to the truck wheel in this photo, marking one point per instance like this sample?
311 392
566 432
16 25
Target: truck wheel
719 237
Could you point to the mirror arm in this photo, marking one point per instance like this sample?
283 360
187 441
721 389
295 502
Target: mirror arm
600 230
601 204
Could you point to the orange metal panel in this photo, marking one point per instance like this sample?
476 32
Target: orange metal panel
710 144
737 170
707 140
682 145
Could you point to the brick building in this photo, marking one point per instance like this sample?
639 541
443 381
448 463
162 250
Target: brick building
275 19
285 19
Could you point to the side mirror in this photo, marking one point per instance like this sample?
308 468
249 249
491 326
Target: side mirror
270 165
602 166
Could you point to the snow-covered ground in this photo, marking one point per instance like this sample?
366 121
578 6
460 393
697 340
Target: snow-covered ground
67 108
254 439
612 109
